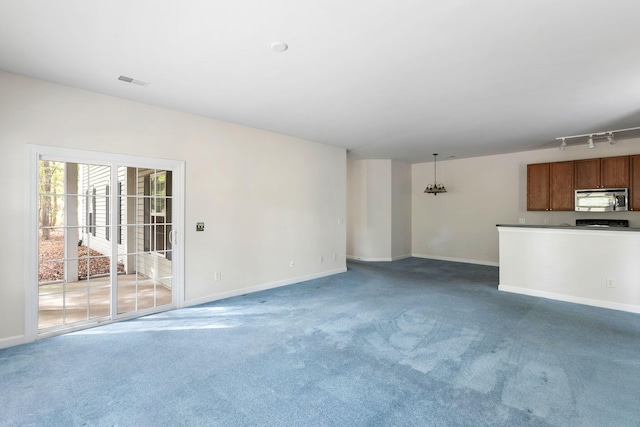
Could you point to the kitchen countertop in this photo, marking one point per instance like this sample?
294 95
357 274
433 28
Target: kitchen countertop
570 227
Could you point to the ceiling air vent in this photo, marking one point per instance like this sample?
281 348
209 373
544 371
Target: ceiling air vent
132 80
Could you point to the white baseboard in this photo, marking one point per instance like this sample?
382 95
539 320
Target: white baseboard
359 258
262 287
467 261
395 258
12 341
569 298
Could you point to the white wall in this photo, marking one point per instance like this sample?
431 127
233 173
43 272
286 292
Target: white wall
369 207
379 209
484 191
266 199
400 209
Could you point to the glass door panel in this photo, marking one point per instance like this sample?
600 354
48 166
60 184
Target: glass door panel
145 232
73 244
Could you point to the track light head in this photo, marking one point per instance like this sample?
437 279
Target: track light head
611 139
590 141
563 145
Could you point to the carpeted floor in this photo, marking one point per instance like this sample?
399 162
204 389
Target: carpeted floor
409 343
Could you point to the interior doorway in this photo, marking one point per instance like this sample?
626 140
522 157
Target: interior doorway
106 239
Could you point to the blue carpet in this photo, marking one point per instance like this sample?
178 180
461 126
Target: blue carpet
409 343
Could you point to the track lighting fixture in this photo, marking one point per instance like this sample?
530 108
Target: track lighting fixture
592 138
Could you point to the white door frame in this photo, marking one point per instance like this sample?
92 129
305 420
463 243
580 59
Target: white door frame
33 154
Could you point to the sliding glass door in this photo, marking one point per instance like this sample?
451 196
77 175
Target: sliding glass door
106 242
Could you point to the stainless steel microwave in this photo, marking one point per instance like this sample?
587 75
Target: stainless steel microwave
602 200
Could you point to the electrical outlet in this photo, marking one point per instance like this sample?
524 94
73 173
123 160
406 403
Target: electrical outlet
217 276
291 264
522 221
546 221
199 226
610 283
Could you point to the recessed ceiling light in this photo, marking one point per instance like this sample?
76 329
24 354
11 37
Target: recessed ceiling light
279 46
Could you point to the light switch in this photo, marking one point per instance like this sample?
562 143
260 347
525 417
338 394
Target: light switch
199 226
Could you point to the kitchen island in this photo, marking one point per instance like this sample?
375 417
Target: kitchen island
595 266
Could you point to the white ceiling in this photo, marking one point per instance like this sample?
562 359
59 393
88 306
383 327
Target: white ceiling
394 79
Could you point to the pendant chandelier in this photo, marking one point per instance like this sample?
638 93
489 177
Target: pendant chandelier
435 188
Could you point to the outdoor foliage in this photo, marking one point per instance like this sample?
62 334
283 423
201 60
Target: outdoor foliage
53 250
51 181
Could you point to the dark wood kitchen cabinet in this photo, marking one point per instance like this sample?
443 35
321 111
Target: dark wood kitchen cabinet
538 187
608 172
561 195
634 195
550 186
587 174
615 172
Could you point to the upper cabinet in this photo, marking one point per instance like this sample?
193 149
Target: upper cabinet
587 173
538 187
561 195
634 194
550 186
608 172
615 172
